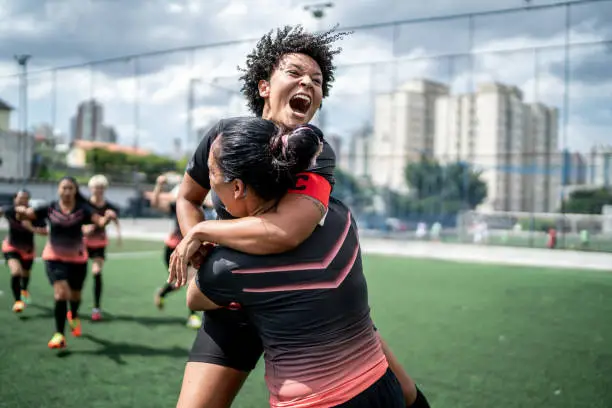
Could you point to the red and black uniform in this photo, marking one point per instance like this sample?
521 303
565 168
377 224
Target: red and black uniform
65 254
96 240
19 243
310 308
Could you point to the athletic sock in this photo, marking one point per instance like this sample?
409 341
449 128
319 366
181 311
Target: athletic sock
167 289
74 308
421 401
61 308
97 290
16 287
25 281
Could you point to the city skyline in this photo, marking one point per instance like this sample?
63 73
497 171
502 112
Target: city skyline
514 143
440 50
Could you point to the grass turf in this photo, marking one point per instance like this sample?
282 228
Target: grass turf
470 335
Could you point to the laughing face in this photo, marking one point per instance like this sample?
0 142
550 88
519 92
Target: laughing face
294 92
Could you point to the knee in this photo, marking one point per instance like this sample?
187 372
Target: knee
15 268
96 267
61 292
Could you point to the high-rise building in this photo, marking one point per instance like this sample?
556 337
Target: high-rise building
575 168
543 162
599 172
88 122
107 134
509 141
404 129
359 150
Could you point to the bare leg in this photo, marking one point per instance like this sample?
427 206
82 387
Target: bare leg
208 385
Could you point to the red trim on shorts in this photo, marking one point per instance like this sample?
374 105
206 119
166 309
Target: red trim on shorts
25 255
313 185
72 255
96 243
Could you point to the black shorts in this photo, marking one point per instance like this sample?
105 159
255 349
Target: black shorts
73 273
384 393
25 265
96 253
227 339
167 252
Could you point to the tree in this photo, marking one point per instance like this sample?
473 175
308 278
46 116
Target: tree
437 188
120 166
181 165
348 189
588 201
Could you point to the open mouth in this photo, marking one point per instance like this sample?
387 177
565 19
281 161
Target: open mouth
300 103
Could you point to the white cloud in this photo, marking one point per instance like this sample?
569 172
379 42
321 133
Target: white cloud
163 93
234 10
175 8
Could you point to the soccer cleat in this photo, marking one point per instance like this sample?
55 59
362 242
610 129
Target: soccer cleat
25 296
96 314
75 325
194 321
58 341
159 301
18 306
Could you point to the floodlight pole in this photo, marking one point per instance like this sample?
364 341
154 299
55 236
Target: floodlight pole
318 12
22 61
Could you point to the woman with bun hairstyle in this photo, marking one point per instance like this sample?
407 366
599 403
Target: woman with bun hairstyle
309 305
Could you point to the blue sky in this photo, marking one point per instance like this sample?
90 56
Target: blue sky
65 32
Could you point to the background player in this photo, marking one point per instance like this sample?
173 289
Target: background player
19 249
96 239
168 205
65 254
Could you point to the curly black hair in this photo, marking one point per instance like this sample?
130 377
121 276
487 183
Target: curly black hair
262 61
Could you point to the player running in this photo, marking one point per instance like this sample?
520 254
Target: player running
169 206
96 239
65 254
285 79
19 249
310 305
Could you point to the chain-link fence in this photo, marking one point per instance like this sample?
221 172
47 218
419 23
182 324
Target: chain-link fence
423 112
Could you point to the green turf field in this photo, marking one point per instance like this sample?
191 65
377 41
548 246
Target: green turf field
471 335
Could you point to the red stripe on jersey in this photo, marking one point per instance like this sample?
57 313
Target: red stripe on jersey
313 185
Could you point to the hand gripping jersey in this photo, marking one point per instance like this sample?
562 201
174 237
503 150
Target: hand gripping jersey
97 237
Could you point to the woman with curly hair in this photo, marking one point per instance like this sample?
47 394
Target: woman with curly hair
286 77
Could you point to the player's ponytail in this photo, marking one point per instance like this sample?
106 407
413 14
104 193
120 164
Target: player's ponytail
263 156
296 151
